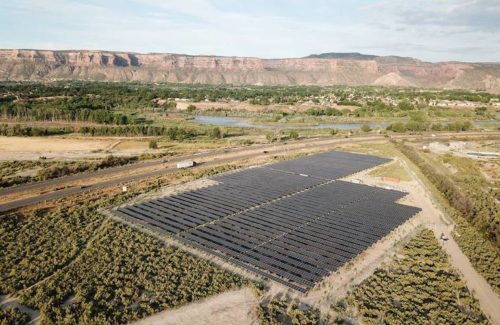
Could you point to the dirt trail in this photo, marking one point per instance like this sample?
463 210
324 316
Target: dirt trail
8 301
482 291
431 217
488 299
234 307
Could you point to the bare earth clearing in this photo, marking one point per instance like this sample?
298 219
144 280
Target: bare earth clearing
68 148
234 307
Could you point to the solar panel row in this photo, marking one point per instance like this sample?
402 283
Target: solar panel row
332 223
180 212
274 222
329 165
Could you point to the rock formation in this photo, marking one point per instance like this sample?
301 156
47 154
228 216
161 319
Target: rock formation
328 69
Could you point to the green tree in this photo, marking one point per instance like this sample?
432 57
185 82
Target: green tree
406 105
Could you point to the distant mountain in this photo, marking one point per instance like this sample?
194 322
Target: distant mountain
348 55
322 69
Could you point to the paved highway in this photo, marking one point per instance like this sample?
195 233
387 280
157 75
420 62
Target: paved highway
218 156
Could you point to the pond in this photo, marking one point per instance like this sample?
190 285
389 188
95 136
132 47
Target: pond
245 123
487 122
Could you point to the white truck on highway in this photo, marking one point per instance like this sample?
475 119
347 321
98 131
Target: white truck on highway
186 164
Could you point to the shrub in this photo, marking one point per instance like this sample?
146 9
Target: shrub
366 128
216 133
153 144
294 135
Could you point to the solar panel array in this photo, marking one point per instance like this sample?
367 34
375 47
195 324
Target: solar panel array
330 165
276 223
237 192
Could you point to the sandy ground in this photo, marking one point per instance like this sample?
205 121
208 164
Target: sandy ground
229 308
67 148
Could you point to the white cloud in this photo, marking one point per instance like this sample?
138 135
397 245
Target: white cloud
426 29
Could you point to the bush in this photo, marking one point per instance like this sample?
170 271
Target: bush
283 311
418 287
366 128
125 275
406 105
294 135
216 133
397 127
13 316
153 144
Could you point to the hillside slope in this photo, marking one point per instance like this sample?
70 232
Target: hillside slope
329 69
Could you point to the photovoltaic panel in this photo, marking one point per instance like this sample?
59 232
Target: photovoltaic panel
330 165
278 223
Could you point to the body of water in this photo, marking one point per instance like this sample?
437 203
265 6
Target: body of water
487 122
245 123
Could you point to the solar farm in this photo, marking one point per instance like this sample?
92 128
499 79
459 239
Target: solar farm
293 222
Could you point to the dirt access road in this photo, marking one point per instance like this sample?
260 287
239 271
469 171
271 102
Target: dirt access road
433 217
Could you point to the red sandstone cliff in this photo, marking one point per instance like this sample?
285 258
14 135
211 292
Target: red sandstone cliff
121 66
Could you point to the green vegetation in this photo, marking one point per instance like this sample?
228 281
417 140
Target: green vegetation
61 108
284 311
75 265
320 112
135 109
153 144
33 248
366 128
32 131
13 316
173 133
474 211
125 275
419 126
419 287
216 133
293 135
51 170
466 191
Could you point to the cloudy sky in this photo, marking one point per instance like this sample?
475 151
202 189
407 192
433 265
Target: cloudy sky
432 30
